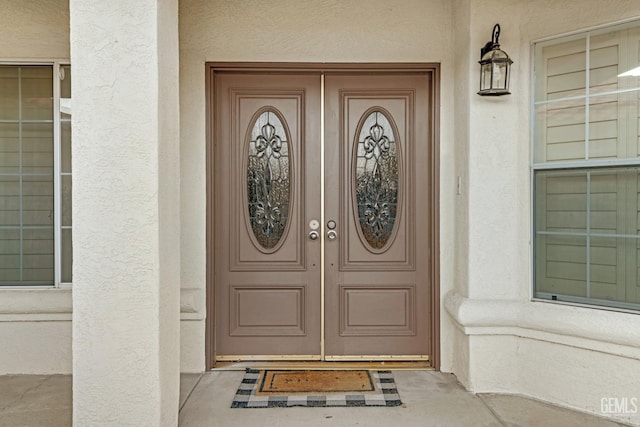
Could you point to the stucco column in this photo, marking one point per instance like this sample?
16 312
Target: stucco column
495 165
491 208
124 58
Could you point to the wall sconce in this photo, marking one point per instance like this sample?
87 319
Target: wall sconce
495 67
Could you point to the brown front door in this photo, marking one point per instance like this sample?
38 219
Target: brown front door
273 231
267 272
377 285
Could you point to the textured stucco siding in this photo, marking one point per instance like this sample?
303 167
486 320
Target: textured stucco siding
492 336
35 325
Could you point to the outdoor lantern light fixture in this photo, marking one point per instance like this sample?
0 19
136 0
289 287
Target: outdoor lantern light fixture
495 67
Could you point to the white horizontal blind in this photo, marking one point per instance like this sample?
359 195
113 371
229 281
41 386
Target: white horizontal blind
587 243
26 175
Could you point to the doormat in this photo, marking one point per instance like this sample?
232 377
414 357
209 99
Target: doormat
282 389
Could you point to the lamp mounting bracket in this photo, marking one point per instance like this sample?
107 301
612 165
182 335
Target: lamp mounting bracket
495 34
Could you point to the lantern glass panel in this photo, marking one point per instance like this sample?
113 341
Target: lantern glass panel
499 75
485 76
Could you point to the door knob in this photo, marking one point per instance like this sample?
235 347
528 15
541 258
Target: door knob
313 235
332 234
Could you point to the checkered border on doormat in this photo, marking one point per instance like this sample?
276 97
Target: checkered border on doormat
246 395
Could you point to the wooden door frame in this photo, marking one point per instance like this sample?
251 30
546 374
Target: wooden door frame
430 69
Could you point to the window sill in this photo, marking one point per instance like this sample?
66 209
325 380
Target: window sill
594 329
584 303
55 304
43 304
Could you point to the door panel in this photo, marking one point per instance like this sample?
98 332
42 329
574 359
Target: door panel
267 273
377 296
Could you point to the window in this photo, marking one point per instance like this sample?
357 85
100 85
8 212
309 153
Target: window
35 175
586 167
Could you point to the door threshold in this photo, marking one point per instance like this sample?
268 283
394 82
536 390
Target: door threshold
421 365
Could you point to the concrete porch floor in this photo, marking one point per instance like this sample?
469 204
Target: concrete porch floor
430 399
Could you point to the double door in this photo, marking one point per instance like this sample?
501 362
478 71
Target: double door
323 215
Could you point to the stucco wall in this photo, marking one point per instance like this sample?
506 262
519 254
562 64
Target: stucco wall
227 31
493 337
572 356
485 223
34 29
35 325
291 30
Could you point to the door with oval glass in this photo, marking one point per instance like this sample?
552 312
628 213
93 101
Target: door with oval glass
323 214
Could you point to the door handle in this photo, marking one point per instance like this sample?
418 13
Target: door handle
332 234
313 235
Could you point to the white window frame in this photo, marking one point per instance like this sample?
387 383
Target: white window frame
569 165
56 65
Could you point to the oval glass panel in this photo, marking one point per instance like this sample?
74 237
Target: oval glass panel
376 179
268 179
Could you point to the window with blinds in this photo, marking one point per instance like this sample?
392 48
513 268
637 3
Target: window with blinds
586 169
35 175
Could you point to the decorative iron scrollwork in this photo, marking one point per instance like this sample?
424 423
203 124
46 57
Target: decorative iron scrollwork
376 179
268 180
